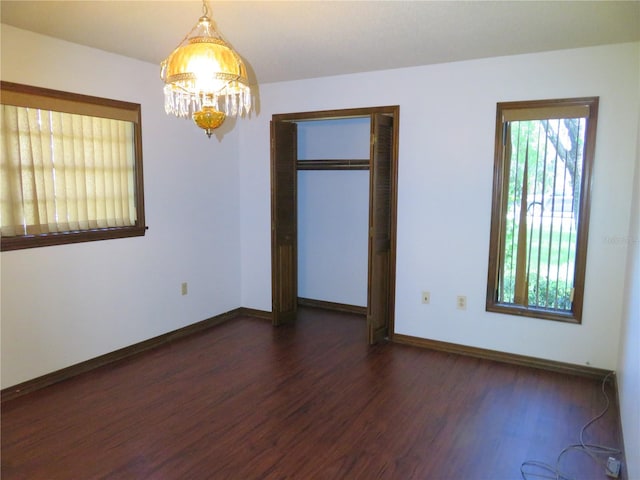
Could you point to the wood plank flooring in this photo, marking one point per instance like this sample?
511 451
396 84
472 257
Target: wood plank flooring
312 401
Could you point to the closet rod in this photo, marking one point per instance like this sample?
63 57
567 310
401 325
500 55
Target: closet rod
334 164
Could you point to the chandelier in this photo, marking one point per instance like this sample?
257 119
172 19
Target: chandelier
205 79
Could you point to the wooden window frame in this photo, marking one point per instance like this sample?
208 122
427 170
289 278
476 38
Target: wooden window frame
504 110
47 99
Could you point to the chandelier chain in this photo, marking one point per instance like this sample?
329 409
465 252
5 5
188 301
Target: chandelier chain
205 13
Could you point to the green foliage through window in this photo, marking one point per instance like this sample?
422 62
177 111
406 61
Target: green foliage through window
540 207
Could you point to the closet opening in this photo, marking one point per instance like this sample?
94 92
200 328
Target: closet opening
333 204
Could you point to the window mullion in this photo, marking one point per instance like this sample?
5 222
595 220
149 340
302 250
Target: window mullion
506 173
542 216
521 296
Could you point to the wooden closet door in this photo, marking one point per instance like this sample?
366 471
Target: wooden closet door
379 288
284 252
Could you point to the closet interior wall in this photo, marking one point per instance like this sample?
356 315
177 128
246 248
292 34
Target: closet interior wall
333 210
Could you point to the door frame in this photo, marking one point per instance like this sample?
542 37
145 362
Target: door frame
392 111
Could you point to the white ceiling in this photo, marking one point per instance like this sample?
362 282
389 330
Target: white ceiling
291 40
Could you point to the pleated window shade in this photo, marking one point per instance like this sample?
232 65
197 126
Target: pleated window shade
65 172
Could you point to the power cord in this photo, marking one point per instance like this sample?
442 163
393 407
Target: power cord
545 470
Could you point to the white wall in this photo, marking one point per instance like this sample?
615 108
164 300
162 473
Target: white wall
65 304
447 123
333 213
629 363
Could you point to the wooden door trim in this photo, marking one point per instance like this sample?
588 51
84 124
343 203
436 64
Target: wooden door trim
395 113
337 114
393 110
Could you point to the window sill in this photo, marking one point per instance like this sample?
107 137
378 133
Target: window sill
64 238
539 313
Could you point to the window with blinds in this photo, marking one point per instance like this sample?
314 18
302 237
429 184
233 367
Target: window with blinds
540 209
71 168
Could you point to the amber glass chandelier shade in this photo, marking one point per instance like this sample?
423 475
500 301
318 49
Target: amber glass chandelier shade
205 64
208 119
204 71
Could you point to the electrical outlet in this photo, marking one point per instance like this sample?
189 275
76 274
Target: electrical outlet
461 302
613 468
426 297
184 288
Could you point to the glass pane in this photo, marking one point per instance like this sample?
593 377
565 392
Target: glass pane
544 179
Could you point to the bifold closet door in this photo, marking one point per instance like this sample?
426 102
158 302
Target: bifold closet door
284 252
379 298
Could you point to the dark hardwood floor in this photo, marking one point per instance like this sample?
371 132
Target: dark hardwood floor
312 401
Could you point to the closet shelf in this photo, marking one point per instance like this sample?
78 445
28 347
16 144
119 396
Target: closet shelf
333 164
